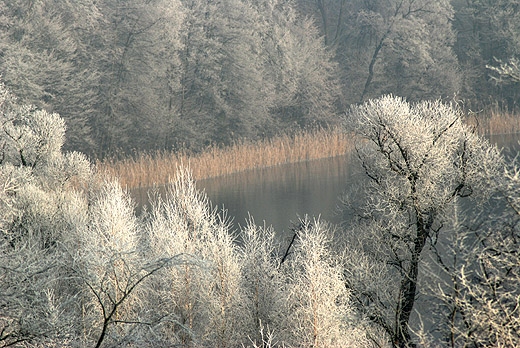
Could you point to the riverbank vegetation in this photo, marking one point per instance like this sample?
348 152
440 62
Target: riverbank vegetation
498 122
78 268
156 83
147 170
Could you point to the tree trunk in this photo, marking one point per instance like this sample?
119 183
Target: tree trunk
409 288
321 8
371 66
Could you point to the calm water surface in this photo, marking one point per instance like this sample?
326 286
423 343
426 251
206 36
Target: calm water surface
278 195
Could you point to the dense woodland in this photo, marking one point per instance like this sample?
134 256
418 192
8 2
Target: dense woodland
78 268
435 221
133 75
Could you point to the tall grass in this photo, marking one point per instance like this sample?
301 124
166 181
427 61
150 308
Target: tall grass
495 121
150 169
157 168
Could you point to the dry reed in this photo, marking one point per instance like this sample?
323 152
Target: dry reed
155 169
495 122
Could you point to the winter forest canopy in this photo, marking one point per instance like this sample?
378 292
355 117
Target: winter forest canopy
85 78
146 75
79 269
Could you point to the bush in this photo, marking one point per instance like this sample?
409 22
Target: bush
78 268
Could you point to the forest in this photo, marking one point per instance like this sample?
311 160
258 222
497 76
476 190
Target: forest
79 268
437 219
131 76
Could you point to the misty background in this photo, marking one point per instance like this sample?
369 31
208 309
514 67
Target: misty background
131 76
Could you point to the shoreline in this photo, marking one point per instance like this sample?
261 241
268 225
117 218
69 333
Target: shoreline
147 170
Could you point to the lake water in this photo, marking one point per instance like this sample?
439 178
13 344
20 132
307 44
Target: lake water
278 195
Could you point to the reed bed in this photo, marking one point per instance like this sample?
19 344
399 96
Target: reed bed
496 122
147 170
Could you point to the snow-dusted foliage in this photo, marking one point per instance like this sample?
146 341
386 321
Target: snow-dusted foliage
37 181
322 313
79 268
201 298
264 296
418 158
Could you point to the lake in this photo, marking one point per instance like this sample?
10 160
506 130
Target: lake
278 195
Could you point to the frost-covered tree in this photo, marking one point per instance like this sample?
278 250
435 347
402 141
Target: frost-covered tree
299 66
417 159
131 49
486 30
163 74
79 268
36 178
70 262
227 295
43 60
35 169
490 295
220 91
329 15
108 265
403 47
321 310
263 283
477 275
505 72
201 301
249 69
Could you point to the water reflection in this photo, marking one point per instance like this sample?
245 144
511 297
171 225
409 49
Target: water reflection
278 195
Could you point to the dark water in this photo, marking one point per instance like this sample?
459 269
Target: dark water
278 195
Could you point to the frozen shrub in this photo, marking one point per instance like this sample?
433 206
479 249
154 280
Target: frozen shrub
263 282
201 299
36 180
319 310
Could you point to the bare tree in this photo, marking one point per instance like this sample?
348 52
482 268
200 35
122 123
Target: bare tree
322 314
417 159
486 31
398 46
505 72
476 277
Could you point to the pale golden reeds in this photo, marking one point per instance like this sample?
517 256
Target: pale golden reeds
495 121
156 169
